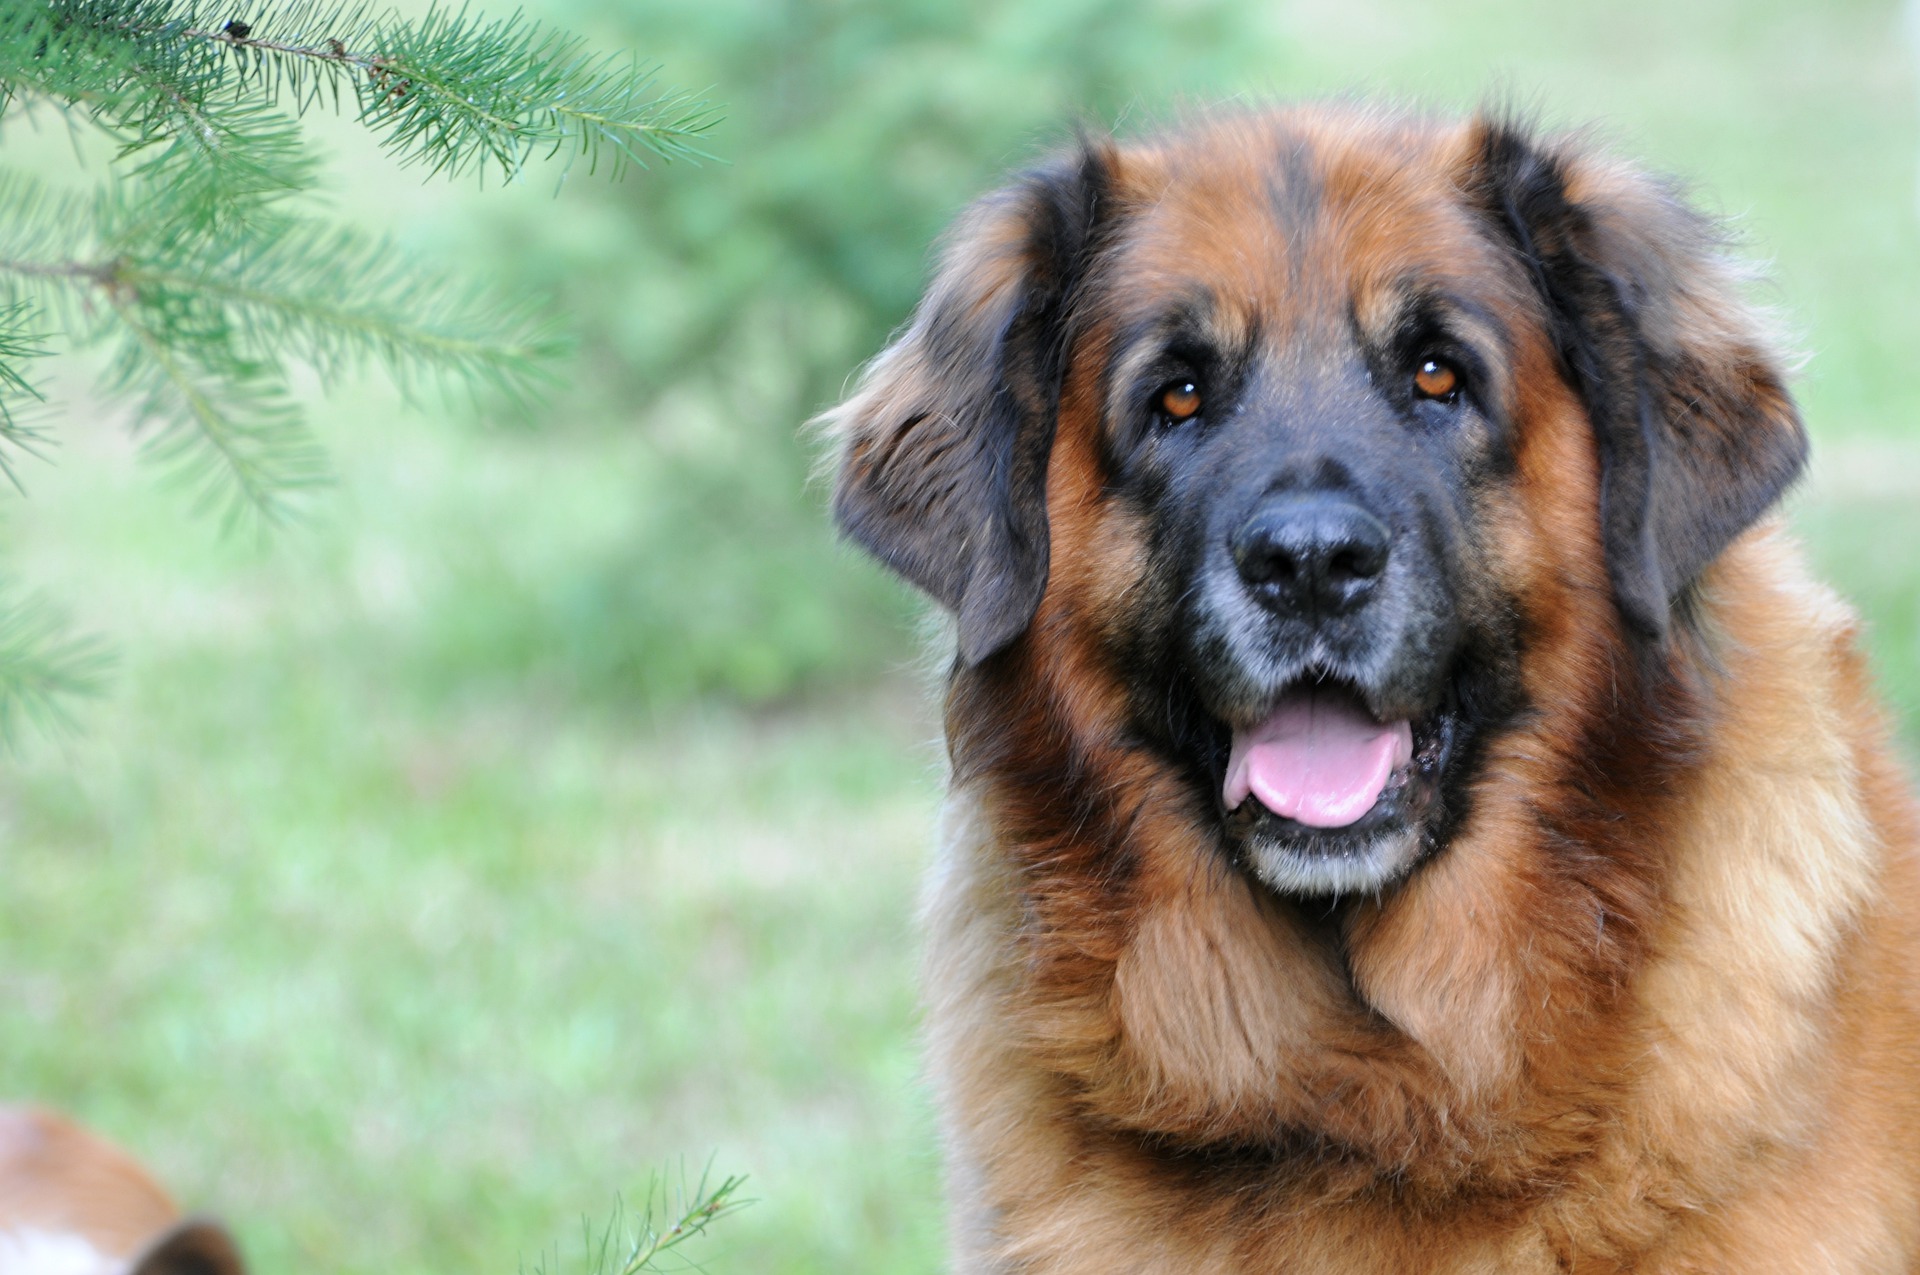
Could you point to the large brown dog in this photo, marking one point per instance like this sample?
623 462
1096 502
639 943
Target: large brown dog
1411 810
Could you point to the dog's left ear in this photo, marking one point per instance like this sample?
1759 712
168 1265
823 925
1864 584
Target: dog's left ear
1697 434
943 448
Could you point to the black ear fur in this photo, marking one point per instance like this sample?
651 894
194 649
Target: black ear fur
1696 433
191 1246
943 448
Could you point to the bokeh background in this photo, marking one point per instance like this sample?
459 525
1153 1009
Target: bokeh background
545 811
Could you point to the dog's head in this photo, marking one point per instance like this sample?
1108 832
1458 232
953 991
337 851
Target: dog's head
71 1201
1254 422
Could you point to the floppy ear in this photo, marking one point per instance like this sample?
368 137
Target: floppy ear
1697 435
191 1246
943 448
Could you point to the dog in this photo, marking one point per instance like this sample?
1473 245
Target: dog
72 1203
1410 807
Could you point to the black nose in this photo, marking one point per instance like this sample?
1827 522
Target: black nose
1316 552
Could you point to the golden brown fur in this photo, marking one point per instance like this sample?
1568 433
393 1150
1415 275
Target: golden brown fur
1654 1005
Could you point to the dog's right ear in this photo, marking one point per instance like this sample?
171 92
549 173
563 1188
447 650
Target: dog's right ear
943 448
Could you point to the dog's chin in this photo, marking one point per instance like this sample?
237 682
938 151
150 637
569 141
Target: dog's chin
1346 863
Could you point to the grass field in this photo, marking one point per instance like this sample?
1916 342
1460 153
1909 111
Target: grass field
403 963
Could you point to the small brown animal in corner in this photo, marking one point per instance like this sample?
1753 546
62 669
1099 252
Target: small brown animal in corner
1411 810
72 1203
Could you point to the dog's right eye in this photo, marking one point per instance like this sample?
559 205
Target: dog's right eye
1436 379
1177 402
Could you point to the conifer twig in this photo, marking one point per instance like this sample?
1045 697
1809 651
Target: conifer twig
617 1252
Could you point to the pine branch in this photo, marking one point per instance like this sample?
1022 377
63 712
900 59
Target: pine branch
216 414
227 429
44 665
20 339
619 1250
436 90
334 298
206 316
235 164
196 264
193 259
454 90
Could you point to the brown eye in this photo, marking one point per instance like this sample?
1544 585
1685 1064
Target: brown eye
1180 401
1436 380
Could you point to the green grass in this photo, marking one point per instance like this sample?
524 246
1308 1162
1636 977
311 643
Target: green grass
402 979
404 956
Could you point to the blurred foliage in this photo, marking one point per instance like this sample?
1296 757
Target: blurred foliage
723 309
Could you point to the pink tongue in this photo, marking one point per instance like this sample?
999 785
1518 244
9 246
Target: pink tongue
1320 758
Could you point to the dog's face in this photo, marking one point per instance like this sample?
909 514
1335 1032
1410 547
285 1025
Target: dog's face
1304 413
1306 437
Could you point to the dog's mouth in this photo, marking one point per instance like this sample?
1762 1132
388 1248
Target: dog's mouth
1320 758
1322 796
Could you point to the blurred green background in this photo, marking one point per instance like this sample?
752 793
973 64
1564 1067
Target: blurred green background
547 809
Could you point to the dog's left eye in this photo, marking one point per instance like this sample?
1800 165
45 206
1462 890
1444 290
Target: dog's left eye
1436 379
